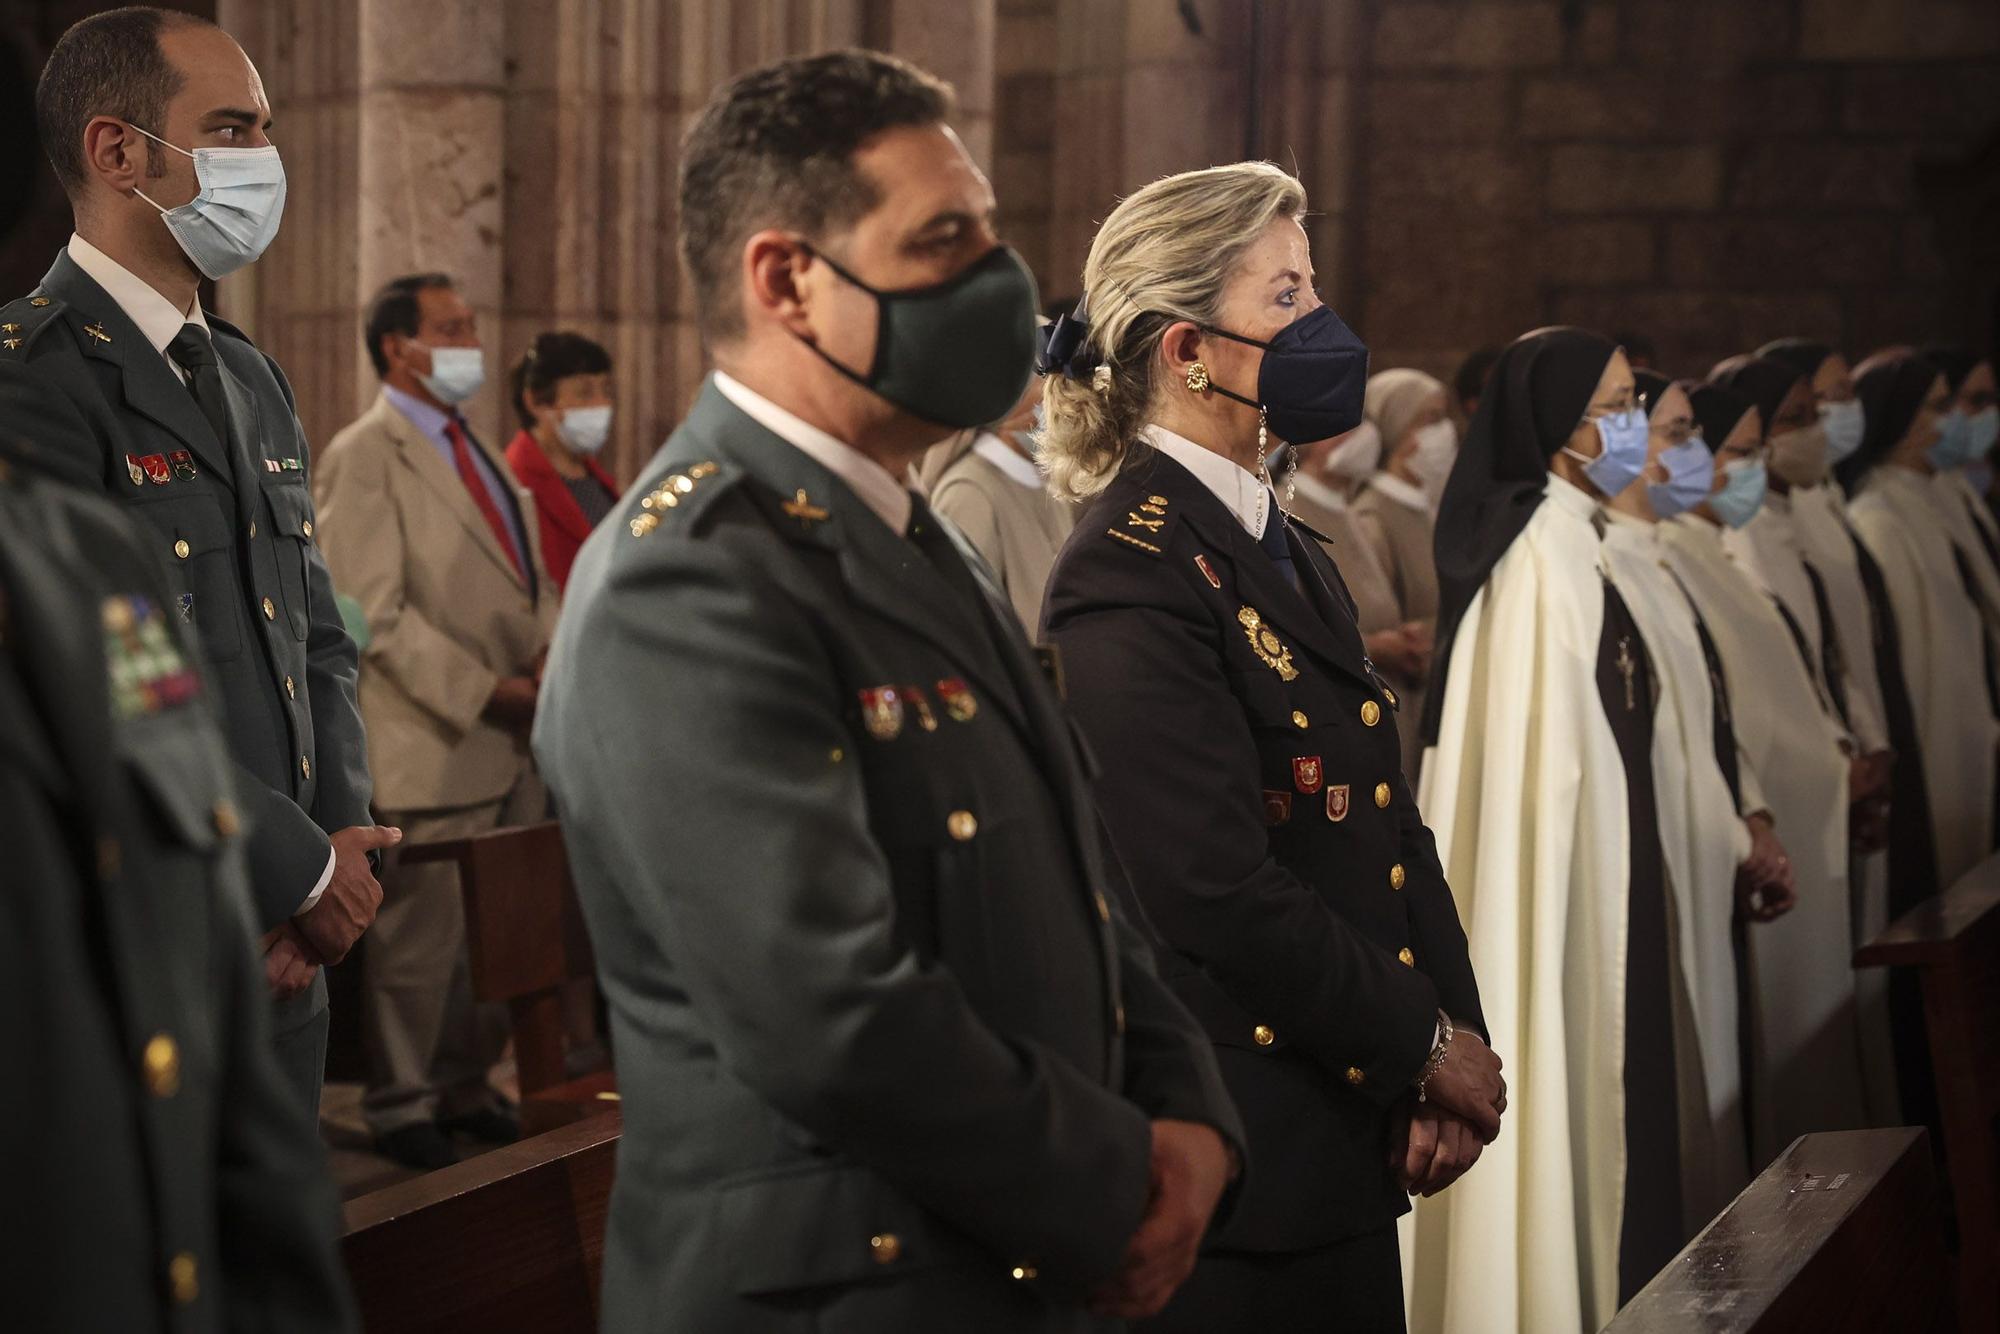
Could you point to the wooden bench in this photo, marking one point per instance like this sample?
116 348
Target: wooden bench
525 938
511 1241
1953 943
1840 1233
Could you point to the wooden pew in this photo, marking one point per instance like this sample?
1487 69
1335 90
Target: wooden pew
1953 942
510 1242
526 938
1839 1234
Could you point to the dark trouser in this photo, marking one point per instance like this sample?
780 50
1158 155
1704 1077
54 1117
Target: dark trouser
298 1043
1354 1286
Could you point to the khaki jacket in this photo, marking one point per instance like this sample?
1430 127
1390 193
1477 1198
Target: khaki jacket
448 615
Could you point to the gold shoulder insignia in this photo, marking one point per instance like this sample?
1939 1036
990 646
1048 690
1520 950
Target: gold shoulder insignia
38 301
667 495
97 331
1140 543
1150 518
800 507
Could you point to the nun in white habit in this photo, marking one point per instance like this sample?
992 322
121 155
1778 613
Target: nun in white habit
1892 498
1539 788
1806 1070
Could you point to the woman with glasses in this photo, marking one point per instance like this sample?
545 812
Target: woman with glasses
1807 1075
1540 788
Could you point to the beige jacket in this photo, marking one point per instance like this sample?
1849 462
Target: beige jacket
448 615
1020 529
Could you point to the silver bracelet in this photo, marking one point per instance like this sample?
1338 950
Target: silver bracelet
1436 1062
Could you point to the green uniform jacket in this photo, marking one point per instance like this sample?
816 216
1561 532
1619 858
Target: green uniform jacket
888 1056
158 1176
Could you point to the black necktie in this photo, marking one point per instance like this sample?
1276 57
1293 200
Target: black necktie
1275 546
194 353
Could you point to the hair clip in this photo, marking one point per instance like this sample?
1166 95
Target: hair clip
1063 347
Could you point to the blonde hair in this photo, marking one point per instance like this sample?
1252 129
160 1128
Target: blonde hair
1164 255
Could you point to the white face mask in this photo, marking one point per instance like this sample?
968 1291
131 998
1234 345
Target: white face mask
1437 450
585 430
235 213
456 373
1354 458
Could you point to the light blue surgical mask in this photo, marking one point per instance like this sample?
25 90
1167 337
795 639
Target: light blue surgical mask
1742 493
456 373
1690 476
1983 426
234 215
1623 437
1845 424
584 430
1953 447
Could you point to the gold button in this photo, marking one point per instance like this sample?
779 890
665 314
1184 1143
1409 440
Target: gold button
1382 796
253 528
109 857
1024 1273
291 689
1118 1017
161 1062
962 825
1371 713
183 1278
181 548
1409 959
270 610
307 527
1396 876
226 822
887 1248
305 766
1355 1075
1262 1035
1103 908
1299 720
836 755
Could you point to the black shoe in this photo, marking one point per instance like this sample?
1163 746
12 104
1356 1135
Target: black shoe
489 1124
421 1146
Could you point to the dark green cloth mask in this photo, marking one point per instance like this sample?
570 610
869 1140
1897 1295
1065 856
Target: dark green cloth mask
958 352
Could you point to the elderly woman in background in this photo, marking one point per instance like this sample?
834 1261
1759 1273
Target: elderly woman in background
562 393
1395 511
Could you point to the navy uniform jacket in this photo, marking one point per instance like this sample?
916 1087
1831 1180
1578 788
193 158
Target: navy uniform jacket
888 1055
158 1176
241 568
1253 795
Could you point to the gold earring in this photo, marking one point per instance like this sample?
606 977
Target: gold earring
1197 378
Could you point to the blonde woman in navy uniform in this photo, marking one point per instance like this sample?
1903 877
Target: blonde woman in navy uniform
1252 785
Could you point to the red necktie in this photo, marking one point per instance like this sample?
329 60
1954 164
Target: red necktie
469 473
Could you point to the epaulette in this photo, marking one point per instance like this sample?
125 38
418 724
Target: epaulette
1145 526
681 495
23 319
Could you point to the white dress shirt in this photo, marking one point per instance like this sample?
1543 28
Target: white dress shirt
160 321
877 487
1011 462
1246 495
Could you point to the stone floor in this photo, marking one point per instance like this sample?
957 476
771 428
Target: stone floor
357 1168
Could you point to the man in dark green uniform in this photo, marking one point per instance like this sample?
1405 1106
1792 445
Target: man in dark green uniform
155 124
889 1058
158 1175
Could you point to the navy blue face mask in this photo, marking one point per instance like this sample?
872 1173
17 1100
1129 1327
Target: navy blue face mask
1313 379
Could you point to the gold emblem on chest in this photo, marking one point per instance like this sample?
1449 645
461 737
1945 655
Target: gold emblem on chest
1264 642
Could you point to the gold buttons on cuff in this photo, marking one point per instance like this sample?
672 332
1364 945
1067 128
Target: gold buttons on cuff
961 825
183 1278
1262 1035
161 1063
1397 876
306 527
886 1247
253 528
1371 713
224 815
306 767
1024 1273
1409 959
1300 721
270 610
1382 796
291 689
181 548
1355 1076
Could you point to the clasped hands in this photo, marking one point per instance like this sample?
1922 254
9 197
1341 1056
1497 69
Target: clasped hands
1434 1142
324 933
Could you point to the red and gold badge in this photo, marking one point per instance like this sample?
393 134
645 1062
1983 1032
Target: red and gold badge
914 697
882 712
1337 803
157 469
1307 774
1277 807
1207 570
135 470
959 705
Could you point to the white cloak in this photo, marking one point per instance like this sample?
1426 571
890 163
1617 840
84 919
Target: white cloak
1806 1063
1703 840
1525 792
1942 642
